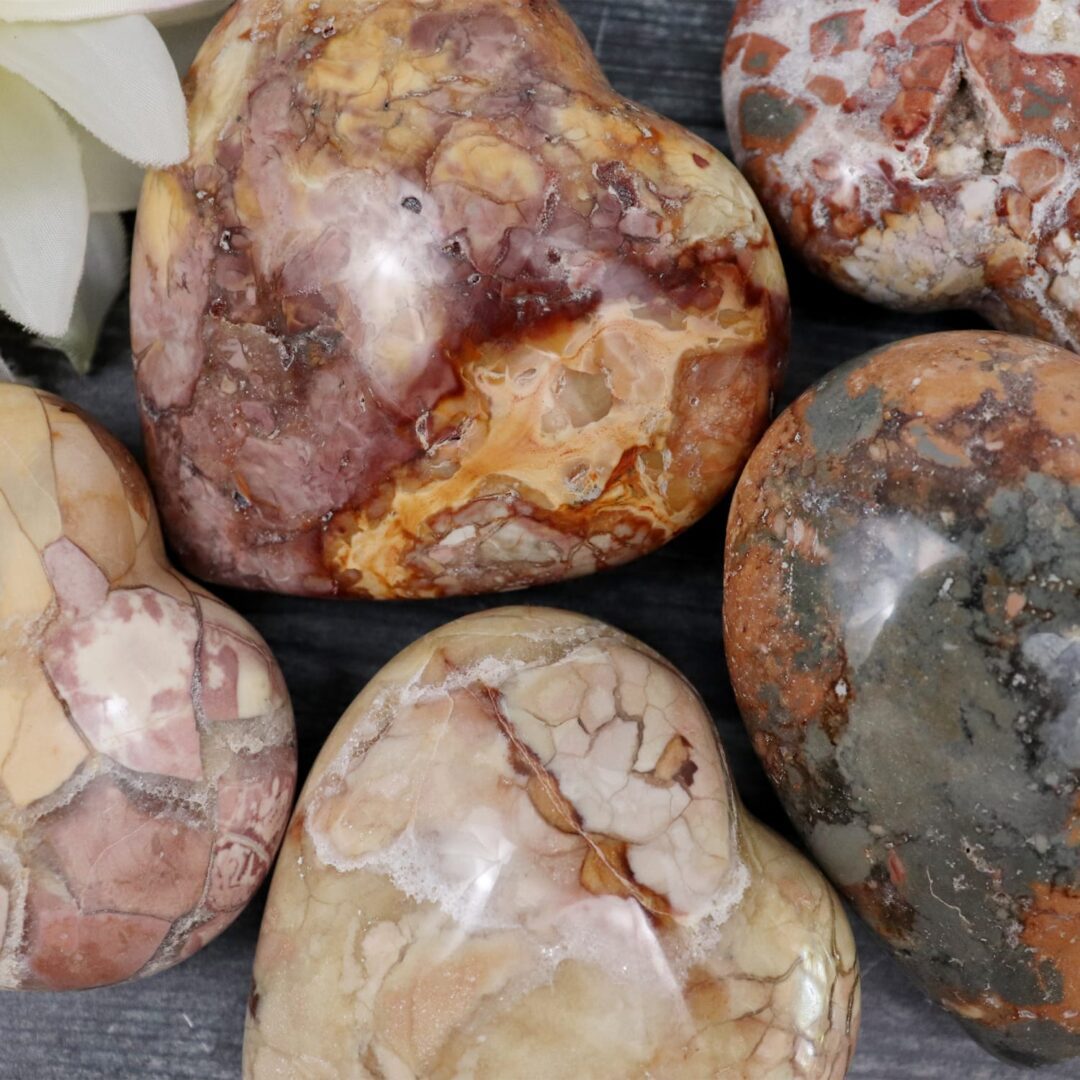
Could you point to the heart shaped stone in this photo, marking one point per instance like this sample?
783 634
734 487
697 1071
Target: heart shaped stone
920 153
147 759
902 620
520 853
431 309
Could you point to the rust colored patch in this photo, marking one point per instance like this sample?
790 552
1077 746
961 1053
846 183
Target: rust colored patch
757 616
1072 836
606 872
827 89
909 114
1037 171
1052 930
551 804
934 24
762 54
883 906
897 870
1008 11
927 68
674 764
754 608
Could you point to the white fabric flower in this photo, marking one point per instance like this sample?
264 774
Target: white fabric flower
89 96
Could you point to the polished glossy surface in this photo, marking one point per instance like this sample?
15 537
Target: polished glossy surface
902 619
147 758
520 854
432 310
921 153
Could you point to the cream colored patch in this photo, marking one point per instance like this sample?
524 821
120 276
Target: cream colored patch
27 476
91 495
39 749
25 592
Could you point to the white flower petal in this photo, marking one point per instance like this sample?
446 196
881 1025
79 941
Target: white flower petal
43 210
114 76
103 278
72 10
112 182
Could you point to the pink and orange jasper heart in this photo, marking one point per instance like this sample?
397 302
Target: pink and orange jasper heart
430 309
147 759
521 854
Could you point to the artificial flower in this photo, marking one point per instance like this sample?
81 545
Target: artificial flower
89 97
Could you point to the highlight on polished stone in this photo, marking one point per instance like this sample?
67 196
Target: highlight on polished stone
923 154
431 309
520 854
902 620
147 758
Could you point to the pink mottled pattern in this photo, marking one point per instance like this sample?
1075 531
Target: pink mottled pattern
251 815
144 724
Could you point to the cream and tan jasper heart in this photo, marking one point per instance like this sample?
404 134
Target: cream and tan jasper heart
521 854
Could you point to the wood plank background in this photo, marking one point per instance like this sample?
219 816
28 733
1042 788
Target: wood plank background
188 1023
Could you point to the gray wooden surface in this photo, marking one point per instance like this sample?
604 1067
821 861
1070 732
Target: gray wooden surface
188 1022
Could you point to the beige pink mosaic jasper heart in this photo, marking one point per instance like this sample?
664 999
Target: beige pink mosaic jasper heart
147 759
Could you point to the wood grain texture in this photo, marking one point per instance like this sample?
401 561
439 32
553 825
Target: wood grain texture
188 1022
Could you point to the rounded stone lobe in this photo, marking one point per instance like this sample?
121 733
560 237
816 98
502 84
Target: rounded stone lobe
431 310
147 759
520 853
920 155
902 623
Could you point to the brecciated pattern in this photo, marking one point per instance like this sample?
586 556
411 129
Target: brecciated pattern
902 618
431 310
521 855
921 153
146 741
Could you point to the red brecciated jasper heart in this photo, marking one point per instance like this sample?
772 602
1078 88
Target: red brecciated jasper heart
920 153
430 309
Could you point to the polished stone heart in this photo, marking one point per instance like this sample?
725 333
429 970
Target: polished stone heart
147 759
902 619
430 309
520 854
923 154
